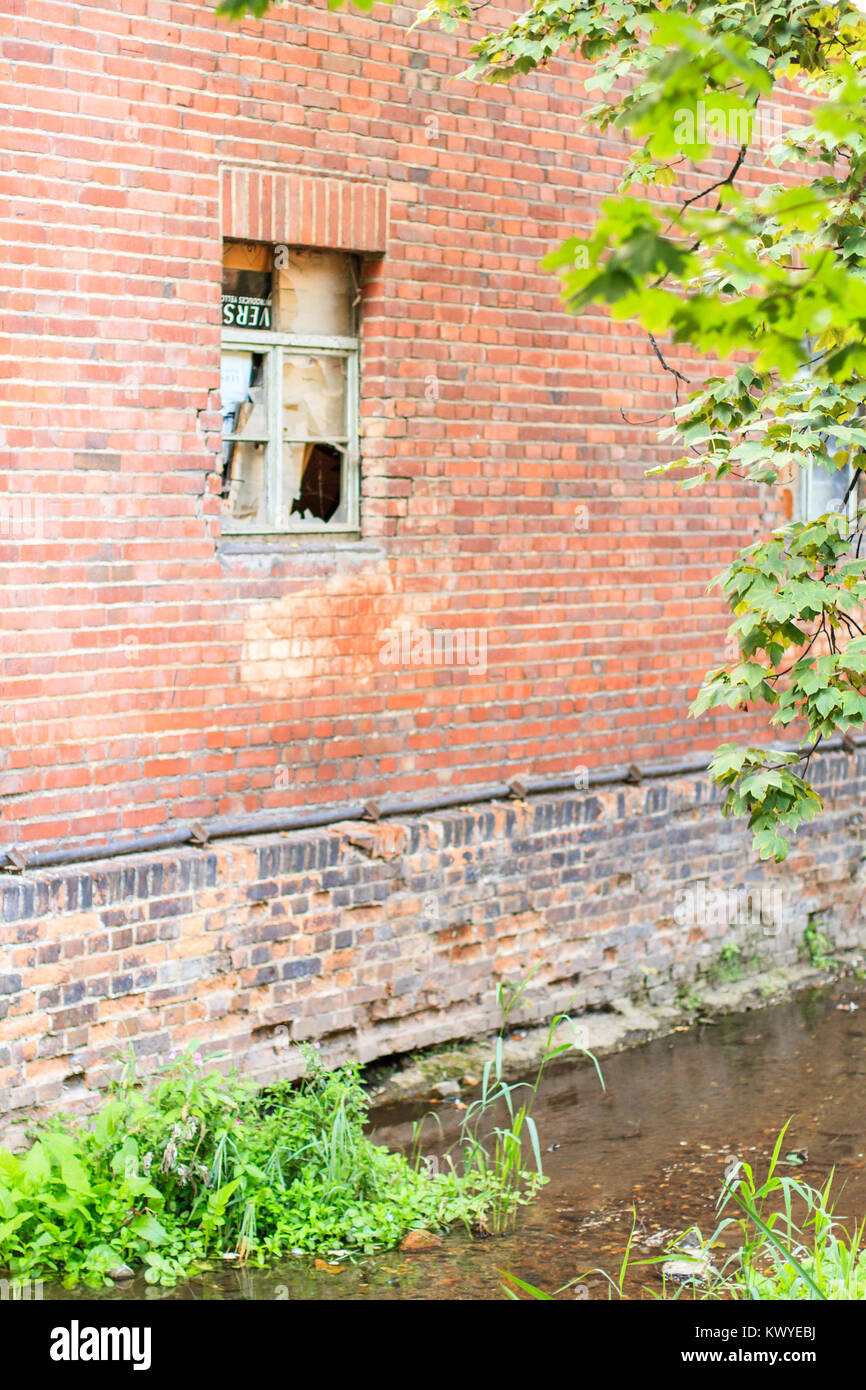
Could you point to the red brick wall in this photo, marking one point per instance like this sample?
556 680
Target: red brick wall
144 667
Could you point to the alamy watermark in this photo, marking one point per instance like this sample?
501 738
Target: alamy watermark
77 1343
758 127
21 518
18 1290
701 906
421 646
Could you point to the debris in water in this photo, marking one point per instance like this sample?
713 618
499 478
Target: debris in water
443 1089
658 1238
686 1271
415 1241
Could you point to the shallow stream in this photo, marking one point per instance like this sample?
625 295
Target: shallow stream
674 1112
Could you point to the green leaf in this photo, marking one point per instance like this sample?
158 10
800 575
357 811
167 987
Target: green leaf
62 1149
147 1228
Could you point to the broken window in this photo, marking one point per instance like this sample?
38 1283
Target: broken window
289 386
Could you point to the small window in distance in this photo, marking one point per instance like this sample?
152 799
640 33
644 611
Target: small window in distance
824 489
289 386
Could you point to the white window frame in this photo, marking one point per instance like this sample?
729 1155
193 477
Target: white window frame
805 494
804 470
272 345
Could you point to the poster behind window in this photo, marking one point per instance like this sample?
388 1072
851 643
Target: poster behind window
247 287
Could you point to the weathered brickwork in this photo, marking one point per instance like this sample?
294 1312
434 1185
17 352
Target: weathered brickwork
151 672
378 938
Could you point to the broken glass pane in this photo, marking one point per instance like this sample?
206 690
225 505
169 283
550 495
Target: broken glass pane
242 388
245 433
316 292
245 483
313 481
247 297
314 396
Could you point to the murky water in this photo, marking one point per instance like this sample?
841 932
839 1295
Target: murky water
674 1112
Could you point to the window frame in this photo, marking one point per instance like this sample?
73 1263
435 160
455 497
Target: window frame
273 345
804 471
805 494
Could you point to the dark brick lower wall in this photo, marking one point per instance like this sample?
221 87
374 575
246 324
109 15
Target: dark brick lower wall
379 938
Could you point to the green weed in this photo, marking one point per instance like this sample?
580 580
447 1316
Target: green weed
816 946
200 1167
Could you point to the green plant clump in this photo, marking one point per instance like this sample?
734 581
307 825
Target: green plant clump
203 1168
689 998
817 947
